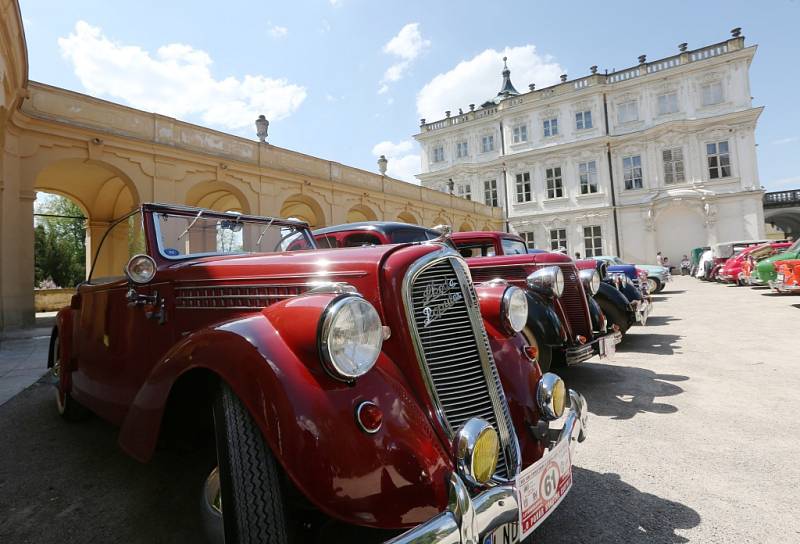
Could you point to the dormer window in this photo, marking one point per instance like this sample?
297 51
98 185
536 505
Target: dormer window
550 127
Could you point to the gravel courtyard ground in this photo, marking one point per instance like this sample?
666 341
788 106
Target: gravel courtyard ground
693 438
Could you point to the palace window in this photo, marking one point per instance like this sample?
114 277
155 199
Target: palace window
528 237
632 172
520 134
673 165
464 190
555 185
628 112
587 171
583 120
438 153
487 143
461 149
593 241
524 187
667 103
712 93
558 239
719 160
490 192
550 127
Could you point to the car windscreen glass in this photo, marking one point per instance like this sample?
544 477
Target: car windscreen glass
405 236
326 241
181 236
514 247
361 239
476 249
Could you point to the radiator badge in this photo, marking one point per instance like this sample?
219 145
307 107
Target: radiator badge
438 298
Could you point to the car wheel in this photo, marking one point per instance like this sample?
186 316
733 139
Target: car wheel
653 285
615 316
68 408
247 480
544 353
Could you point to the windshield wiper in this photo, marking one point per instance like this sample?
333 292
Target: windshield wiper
263 232
191 224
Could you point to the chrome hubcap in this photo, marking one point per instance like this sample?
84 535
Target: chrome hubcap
213 492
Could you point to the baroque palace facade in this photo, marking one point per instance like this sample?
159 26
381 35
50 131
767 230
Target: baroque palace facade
109 158
657 157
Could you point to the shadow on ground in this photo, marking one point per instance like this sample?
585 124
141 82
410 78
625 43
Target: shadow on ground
602 508
671 291
796 306
647 342
657 320
621 392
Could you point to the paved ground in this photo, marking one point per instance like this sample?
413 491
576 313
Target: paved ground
21 356
693 438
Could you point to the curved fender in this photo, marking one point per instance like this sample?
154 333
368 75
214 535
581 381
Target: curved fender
631 292
394 478
598 319
544 321
613 295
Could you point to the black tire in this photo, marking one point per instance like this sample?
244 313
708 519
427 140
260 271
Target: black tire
249 478
544 352
615 316
68 408
658 285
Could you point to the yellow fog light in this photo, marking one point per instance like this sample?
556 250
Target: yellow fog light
477 448
551 395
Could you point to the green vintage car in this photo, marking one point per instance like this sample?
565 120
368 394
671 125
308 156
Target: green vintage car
764 271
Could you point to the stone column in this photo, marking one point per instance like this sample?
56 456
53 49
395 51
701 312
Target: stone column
94 235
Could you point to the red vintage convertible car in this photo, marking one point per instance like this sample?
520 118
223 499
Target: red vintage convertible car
733 269
375 386
565 325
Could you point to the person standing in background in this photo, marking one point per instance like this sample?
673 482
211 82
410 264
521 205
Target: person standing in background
659 259
685 265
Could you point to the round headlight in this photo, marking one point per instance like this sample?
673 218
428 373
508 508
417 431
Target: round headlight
515 309
477 449
351 337
551 395
140 269
591 280
549 280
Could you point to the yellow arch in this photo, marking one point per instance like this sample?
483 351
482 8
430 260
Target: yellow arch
305 208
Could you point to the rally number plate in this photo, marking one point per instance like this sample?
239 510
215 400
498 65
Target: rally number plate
542 486
608 347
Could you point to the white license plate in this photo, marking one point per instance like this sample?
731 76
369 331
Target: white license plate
542 486
608 347
780 278
507 534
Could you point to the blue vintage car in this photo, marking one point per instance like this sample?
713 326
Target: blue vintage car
657 276
626 278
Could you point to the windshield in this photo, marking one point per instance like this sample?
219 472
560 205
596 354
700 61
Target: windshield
514 247
181 236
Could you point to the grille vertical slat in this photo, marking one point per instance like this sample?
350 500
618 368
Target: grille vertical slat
573 301
447 341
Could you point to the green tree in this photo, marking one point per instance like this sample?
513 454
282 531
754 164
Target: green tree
59 242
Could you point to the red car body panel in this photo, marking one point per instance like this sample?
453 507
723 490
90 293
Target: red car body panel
729 273
124 366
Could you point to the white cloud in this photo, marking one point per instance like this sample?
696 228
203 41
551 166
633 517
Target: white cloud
326 26
277 31
335 3
407 45
404 159
176 81
784 141
478 79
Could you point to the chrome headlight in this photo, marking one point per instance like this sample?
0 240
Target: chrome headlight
351 337
551 396
140 269
549 280
514 309
477 449
591 280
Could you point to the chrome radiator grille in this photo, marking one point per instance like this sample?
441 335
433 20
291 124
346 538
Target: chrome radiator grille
573 300
455 356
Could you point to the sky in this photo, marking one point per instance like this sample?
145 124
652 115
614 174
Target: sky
349 80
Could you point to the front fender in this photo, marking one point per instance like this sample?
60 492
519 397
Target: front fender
544 321
394 478
613 295
598 319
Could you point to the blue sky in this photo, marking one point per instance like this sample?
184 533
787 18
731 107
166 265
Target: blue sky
348 79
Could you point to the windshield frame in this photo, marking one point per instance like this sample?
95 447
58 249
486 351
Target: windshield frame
155 210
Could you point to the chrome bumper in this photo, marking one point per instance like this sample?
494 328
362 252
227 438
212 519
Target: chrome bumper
783 288
642 310
579 354
468 520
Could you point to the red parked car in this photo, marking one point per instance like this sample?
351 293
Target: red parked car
375 386
733 268
565 324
